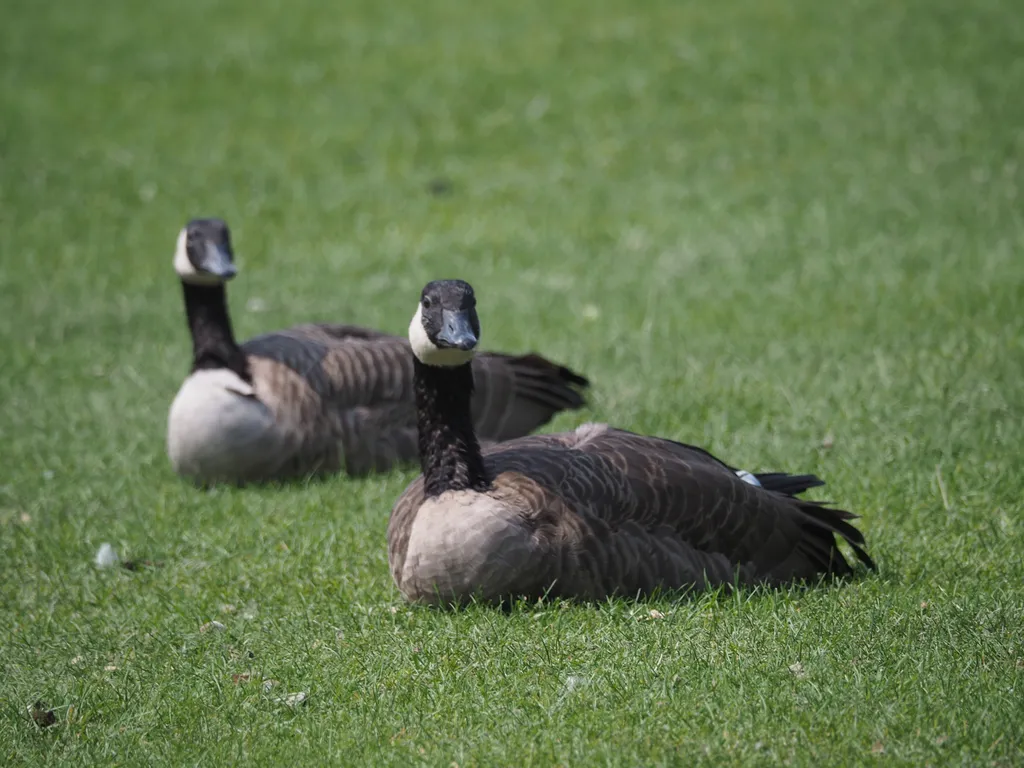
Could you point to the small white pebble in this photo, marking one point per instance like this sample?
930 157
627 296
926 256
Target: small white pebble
147 192
797 669
572 682
110 668
590 312
47 474
106 557
212 626
256 304
656 614
294 699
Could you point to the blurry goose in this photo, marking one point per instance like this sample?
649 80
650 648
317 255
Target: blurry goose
316 398
584 514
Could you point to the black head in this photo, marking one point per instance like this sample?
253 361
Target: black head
445 329
204 255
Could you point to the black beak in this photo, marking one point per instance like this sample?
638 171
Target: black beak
456 331
217 262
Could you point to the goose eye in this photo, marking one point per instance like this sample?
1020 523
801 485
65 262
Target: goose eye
427 302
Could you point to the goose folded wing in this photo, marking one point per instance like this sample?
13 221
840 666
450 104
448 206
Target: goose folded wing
673 490
775 536
346 366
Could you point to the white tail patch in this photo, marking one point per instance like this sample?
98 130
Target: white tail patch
747 477
589 431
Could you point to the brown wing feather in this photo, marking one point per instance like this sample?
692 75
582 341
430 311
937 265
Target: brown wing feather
336 332
362 380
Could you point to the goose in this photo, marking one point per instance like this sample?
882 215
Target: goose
316 398
586 514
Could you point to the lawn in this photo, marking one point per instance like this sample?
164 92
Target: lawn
789 231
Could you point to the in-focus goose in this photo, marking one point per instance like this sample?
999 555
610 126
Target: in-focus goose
585 514
315 398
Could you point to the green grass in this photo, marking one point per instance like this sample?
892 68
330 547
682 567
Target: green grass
753 224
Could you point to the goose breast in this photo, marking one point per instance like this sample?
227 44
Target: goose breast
219 428
465 544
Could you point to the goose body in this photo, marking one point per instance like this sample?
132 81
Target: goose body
590 513
319 398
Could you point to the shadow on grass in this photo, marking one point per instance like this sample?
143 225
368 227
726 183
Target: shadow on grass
719 595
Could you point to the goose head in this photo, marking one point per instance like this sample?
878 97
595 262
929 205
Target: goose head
203 255
445 329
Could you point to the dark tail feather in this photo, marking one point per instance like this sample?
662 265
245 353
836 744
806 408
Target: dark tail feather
791 485
532 390
835 522
549 384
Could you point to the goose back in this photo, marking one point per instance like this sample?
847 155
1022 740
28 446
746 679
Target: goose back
343 395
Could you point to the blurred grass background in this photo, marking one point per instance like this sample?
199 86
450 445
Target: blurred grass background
788 231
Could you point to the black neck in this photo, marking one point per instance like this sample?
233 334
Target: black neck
449 452
213 342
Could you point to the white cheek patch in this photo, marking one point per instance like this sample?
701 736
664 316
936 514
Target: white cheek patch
428 352
184 267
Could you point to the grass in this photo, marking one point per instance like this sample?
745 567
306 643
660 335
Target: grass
786 230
